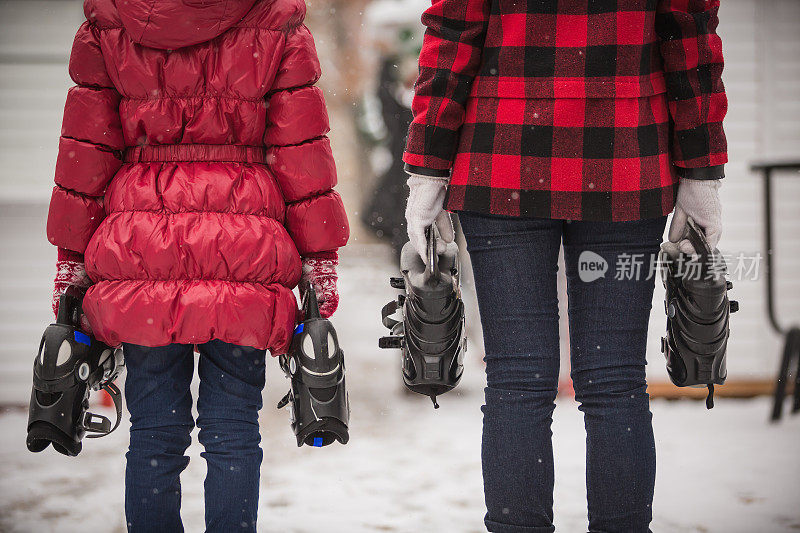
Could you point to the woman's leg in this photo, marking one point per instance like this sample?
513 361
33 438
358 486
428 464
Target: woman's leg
231 381
608 319
514 263
160 403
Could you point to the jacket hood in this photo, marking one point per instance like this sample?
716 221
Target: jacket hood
171 24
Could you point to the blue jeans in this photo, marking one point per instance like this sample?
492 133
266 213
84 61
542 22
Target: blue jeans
515 263
160 403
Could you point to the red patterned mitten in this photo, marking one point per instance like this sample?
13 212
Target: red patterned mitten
70 270
320 270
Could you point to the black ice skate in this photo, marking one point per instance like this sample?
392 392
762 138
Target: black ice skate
320 410
698 315
431 333
68 366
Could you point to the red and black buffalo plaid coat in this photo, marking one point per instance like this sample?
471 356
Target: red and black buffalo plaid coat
569 109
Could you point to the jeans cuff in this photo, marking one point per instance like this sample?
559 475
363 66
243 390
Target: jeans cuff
497 527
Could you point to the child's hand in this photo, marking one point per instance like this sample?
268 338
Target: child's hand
70 270
320 271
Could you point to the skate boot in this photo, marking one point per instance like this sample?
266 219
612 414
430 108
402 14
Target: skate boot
431 333
320 410
698 315
68 366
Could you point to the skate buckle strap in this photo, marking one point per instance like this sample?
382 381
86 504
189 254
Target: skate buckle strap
82 337
387 312
390 342
99 425
285 400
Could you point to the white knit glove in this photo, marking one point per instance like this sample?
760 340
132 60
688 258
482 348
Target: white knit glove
698 199
426 206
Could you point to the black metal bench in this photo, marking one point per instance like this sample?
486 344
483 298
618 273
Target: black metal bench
791 348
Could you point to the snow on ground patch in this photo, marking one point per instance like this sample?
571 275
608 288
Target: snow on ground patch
409 468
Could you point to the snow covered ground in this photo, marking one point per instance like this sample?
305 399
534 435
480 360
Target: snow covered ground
409 468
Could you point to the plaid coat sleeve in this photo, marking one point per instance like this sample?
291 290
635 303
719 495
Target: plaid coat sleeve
692 54
448 62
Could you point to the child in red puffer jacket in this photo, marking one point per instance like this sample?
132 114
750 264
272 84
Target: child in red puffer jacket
193 192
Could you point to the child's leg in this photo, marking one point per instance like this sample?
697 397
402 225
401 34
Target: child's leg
158 398
231 381
514 262
608 319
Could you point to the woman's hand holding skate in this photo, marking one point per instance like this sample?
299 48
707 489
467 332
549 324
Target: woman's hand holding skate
698 199
320 271
425 207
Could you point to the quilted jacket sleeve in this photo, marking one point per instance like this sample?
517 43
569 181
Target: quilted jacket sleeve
89 152
448 63
692 53
299 152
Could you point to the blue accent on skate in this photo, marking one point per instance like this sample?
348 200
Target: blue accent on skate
299 329
317 440
83 338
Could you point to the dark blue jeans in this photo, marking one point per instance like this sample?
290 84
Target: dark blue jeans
160 403
515 263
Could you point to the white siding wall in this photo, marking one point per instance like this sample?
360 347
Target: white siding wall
35 40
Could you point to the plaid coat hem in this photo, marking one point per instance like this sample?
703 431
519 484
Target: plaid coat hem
618 206
591 159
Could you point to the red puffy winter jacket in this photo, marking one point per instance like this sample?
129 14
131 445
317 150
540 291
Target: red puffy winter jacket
194 169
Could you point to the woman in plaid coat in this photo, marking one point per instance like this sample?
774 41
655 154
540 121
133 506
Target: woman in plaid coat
582 122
